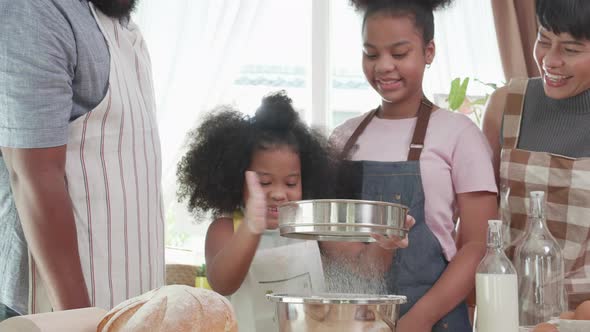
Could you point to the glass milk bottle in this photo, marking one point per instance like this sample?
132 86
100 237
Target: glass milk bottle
539 263
496 287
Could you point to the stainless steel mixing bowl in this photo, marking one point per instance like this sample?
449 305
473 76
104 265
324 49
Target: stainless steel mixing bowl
341 219
337 312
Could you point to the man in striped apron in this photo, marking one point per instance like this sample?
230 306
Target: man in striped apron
111 176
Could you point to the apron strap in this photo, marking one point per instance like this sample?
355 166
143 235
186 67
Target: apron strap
511 123
357 132
417 144
512 115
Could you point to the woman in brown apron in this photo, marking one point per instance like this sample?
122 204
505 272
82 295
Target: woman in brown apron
538 129
436 162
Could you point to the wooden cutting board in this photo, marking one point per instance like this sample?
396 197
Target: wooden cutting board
78 320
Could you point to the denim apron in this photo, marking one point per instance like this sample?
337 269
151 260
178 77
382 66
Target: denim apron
414 269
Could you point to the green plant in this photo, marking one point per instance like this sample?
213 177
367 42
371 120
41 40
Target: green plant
202 271
459 101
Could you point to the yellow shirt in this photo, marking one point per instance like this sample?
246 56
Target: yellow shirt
238 218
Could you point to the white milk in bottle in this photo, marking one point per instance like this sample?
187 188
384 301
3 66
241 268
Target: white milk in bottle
496 287
497 302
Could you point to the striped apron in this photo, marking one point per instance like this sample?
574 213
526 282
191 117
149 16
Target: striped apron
113 173
566 182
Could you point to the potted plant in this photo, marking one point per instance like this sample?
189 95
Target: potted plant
459 101
201 279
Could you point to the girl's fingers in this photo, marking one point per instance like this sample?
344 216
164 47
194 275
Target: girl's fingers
253 184
410 221
255 214
390 243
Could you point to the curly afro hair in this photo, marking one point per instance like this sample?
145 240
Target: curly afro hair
420 10
211 173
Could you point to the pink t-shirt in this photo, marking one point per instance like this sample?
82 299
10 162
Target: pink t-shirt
456 159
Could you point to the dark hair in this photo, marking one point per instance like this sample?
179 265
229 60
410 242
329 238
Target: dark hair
211 174
420 10
567 16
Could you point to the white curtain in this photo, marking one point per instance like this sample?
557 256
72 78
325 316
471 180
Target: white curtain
195 50
198 46
466 43
466 46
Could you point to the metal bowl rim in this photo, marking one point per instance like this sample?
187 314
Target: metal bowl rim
339 200
334 224
338 299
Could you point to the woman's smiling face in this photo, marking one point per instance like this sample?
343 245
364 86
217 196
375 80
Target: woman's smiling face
564 63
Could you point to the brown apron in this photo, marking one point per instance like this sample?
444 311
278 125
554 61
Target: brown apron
415 269
566 182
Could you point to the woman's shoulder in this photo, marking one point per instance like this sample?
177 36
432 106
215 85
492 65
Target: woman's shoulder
496 105
518 85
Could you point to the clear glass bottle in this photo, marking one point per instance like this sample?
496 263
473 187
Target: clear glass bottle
496 286
539 263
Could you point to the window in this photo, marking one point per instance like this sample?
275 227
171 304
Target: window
310 48
276 57
465 47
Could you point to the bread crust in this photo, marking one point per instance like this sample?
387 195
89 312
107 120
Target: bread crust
173 308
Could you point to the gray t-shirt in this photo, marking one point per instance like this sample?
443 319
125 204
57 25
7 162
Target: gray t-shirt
54 67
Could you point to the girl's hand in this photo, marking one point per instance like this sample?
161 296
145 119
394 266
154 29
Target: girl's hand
395 242
255 213
409 324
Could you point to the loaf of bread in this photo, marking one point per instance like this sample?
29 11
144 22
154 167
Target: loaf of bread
173 308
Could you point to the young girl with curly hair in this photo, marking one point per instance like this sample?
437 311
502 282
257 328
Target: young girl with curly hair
438 163
282 160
